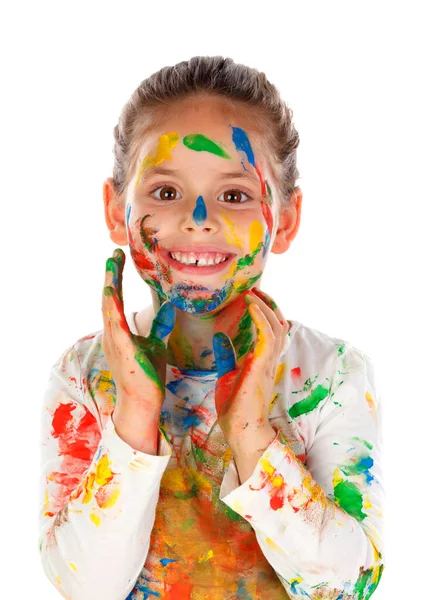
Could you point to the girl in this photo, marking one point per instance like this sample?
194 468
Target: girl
206 447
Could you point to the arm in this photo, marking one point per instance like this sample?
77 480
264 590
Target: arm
98 495
321 527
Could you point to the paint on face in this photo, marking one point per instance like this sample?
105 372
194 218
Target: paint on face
231 236
201 143
166 143
200 213
242 144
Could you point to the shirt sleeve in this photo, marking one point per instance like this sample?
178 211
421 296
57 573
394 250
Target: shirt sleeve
97 494
321 527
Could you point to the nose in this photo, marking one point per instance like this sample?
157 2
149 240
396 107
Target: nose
198 218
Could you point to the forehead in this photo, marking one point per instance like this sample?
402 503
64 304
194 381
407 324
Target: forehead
207 127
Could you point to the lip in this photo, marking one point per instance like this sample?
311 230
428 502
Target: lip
194 270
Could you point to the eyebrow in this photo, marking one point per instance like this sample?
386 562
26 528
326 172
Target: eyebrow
163 171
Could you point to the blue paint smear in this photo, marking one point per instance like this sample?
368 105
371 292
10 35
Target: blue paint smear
224 353
163 322
242 143
179 297
172 386
166 561
242 593
266 243
200 213
127 214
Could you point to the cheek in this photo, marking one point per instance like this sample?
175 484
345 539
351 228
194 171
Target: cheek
142 238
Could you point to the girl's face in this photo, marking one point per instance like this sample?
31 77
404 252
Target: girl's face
201 210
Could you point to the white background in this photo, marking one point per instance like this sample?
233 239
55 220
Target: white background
355 75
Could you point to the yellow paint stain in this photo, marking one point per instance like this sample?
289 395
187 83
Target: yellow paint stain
238 507
95 519
110 500
176 481
231 235
72 566
103 472
273 545
204 557
226 457
278 481
231 271
272 402
371 403
88 488
366 502
105 381
261 341
166 143
279 373
267 466
256 231
138 463
316 492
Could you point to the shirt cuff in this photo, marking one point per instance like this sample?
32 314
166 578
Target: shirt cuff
122 453
232 493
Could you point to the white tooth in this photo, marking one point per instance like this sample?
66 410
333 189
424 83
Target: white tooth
211 261
177 256
202 262
218 258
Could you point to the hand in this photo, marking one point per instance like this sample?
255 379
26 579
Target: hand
243 395
137 363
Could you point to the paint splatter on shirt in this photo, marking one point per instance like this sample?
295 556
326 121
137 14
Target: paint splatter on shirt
116 523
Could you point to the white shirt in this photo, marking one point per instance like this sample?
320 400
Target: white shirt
116 523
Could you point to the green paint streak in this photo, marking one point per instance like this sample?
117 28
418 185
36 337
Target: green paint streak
310 403
199 453
341 349
348 496
155 285
269 189
232 514
367 444
243 341
247 260
201 143
147 367
248 284
147 234
185 526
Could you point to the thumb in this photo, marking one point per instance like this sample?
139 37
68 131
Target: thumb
163 322
224 353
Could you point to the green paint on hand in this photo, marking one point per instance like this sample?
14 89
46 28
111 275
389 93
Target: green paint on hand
243 341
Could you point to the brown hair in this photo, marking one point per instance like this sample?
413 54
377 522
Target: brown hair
220 77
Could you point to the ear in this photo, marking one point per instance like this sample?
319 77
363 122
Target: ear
114 213
289 221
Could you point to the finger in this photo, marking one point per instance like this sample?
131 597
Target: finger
115 323
268 312
281 336
265 342
163 322
270 302
224 353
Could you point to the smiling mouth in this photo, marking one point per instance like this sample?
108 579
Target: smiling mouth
199 263
199 259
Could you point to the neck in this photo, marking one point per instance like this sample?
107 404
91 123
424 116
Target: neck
190 343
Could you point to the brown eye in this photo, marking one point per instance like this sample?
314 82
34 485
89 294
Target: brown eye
233 196
166 193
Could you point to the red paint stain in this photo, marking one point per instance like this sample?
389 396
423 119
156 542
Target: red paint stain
296 372
268 216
